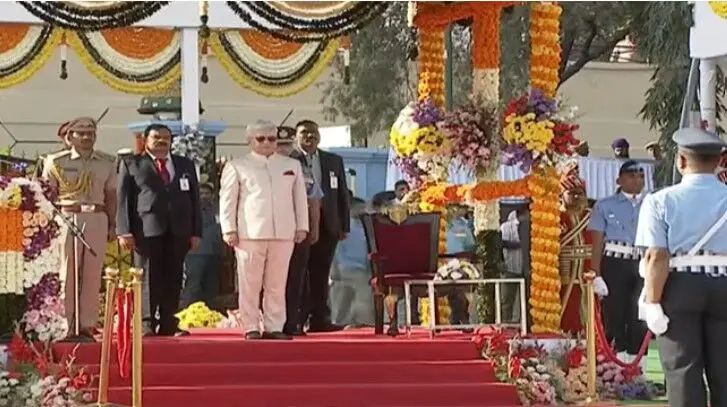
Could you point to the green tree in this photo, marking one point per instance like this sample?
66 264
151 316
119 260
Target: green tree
661 32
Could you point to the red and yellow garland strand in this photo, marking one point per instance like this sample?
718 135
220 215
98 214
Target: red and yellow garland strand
545 46
545 246
431 65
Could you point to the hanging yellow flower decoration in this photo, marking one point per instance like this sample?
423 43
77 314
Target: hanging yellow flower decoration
545 246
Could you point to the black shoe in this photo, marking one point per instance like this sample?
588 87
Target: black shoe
279 336
253 335
329 327
294 332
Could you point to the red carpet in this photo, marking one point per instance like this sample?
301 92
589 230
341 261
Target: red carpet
350 368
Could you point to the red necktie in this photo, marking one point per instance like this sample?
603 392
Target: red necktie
162 170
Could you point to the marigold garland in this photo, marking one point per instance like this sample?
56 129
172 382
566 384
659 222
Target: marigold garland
545 46
11 230
79 15
23 57
125 72
281 77
544 300
332 21
486 39
431 65
269 47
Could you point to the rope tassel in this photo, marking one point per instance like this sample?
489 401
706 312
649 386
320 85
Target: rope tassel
64 57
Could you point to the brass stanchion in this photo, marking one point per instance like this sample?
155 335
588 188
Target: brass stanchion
136 386
131 281
112 281
591 339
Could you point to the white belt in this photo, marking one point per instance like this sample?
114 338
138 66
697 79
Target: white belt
622 249
698 260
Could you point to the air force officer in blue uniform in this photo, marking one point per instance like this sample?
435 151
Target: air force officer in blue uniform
685 292
616 261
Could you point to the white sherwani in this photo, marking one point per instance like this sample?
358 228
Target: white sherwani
263 199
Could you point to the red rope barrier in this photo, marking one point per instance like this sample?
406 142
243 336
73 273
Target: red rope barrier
124 310
608 350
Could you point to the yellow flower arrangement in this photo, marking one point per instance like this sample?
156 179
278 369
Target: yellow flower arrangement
198 315
429 140
524 129
443 308
11 197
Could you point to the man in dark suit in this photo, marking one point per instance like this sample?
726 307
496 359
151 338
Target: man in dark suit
328 173
159 217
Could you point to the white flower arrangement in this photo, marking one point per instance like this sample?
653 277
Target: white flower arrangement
49 259
11 279
192 145
8 386
457 269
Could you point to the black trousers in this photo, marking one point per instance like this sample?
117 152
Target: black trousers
319 272
694 346
163 258
620 311
295 286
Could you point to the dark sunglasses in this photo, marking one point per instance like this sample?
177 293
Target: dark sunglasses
269 139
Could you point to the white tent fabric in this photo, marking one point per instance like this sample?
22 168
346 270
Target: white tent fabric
599 173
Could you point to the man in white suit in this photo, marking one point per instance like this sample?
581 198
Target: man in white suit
263 212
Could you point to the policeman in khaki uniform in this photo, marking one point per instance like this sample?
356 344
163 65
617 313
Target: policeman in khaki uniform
86 182
263 213
615 260
684 231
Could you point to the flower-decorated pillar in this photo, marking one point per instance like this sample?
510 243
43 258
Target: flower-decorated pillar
545 306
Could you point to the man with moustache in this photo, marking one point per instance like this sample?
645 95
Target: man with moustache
86 182
159 217
328 173
263 213
298 268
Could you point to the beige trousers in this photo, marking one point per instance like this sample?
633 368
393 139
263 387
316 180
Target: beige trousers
262 265
95 229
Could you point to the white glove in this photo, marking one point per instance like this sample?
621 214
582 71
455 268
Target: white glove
655 318
600 287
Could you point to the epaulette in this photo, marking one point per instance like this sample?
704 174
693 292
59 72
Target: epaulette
57 154
104 156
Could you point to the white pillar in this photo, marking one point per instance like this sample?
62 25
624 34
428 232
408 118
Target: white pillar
707 90
190 77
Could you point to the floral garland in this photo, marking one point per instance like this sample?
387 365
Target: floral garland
431 65
91 16
269 66
192 145
132 60
24 49
545 46
544 299
330 22
535 132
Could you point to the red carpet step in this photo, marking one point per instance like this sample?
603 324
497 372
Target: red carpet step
350 368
